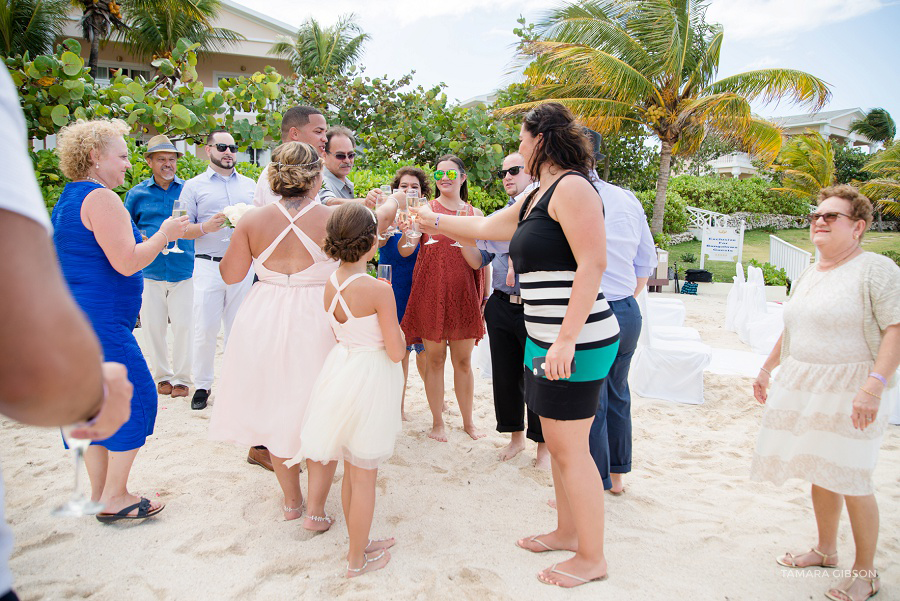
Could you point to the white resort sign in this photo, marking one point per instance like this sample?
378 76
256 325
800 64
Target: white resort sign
722 243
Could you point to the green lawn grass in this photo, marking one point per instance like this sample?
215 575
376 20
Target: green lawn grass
756 246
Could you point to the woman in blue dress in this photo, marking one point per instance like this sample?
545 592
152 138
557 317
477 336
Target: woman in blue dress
406 178
101 256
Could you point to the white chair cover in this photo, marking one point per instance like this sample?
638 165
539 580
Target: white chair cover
667 369
735 297
481 357
891 399
758 324
665 311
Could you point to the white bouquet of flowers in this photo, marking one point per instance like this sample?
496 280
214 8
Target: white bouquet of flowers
233 213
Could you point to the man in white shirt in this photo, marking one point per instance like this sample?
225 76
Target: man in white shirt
630 258
215 303
299 124
56 378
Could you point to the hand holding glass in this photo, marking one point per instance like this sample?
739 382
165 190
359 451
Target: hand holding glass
179 209
79 504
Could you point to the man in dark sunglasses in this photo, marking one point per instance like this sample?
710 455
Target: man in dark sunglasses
504 315
340 152
215 303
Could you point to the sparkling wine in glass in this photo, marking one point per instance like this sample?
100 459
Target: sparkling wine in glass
179 209
432 238
460 213
385 272
79 504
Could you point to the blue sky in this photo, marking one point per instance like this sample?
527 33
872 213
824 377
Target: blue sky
468 44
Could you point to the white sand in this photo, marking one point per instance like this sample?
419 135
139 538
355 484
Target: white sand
690 526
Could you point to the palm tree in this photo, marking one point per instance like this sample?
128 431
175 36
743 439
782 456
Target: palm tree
98 19
807 164
155 26
877 125
30 26
884 188
329 51
654 62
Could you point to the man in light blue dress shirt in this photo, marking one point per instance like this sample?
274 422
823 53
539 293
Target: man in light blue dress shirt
215 303
630 259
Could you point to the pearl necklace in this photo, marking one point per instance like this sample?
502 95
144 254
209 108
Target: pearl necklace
94 180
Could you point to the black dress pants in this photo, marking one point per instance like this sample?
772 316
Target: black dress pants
506 330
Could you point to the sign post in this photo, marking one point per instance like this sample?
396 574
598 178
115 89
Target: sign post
722 244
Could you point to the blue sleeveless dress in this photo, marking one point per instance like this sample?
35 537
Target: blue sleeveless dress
112 302
401 271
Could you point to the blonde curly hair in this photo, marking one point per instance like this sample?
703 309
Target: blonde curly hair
293 168
75 142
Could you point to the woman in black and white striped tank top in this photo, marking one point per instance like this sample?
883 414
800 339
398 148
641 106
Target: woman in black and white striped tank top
558 248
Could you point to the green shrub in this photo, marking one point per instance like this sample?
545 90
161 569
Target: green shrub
676 218
753 195
773 276
893 255
688 258
661 240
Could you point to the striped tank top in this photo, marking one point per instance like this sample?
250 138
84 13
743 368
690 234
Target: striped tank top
546 267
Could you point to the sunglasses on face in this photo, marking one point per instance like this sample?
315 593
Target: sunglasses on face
828 217
223 147
451 174
343 156
512 171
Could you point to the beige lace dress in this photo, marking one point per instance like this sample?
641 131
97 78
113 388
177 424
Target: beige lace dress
826 356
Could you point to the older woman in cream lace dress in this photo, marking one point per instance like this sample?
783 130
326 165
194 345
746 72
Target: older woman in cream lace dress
823 420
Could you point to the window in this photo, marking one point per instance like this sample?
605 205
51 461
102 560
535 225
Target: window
107 72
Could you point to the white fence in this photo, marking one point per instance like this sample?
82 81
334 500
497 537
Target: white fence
788 257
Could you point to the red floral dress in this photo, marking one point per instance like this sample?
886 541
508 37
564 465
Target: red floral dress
445 301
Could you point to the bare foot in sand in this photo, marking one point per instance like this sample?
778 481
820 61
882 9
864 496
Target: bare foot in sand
317 523
403 416
618 487
446 407
474 432
542 460
377 544
552 541
511 450
368 564
439 433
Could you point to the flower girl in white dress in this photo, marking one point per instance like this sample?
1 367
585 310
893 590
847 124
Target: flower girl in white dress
354 410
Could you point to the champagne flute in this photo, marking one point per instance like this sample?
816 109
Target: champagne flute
432 238
79 504
460 213
413 233
179 209
392 228
379 201
385 272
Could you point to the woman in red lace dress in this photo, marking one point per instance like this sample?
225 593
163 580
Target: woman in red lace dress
444 306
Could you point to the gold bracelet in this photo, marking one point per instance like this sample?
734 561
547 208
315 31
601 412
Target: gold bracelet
870 393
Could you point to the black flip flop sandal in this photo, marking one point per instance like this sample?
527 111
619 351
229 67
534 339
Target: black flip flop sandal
143 507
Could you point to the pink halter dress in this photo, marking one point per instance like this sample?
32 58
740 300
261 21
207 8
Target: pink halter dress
278 345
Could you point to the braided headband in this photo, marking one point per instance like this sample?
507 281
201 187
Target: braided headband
316 162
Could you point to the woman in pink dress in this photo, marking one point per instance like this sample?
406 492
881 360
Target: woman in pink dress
281 334
445 304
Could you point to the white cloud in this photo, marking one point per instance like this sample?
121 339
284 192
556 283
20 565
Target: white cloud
403 12
768 19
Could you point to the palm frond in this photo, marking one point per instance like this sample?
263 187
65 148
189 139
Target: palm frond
807 163
768 85
877 125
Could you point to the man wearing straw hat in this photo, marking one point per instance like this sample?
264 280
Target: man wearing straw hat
168 286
